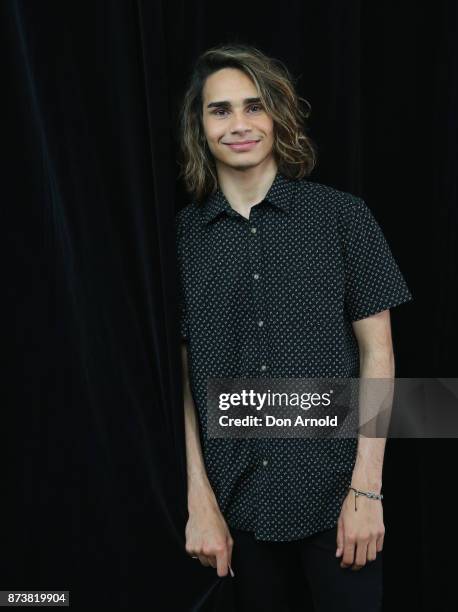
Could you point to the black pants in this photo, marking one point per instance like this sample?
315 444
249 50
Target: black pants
264 572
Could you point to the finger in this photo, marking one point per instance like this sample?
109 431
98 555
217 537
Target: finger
230 547
361 555
348 553
372 550
203 559
221 562
340 538
380 543
212 560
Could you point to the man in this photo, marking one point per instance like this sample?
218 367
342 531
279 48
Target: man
280 278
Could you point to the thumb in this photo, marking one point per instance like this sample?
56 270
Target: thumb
340 538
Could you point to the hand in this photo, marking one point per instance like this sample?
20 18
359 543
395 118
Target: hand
208 538
360 533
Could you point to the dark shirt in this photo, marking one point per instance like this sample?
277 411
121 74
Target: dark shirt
275 296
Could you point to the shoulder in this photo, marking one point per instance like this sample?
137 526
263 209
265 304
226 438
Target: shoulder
328 203
186 217
325 195
184 214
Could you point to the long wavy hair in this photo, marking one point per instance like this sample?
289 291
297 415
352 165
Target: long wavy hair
293 149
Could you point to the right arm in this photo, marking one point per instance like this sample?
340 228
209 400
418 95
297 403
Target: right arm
207 534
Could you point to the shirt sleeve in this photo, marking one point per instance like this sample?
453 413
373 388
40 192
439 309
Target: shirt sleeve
373 281
183 314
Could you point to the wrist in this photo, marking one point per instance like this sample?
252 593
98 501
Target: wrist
366 479
372 486
201 496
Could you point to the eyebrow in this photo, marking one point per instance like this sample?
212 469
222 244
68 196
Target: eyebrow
227 104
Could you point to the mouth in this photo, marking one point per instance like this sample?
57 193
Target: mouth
246 145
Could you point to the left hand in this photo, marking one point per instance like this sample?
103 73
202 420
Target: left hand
360 533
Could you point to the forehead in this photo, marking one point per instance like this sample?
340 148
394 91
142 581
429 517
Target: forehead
228 84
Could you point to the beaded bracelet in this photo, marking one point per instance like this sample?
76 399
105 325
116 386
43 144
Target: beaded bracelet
366 493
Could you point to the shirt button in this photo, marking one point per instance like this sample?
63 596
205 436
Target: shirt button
263 367
260 323
265 462
256 276
253 230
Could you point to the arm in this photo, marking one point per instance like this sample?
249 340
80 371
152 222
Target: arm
199 488
376 361
360 534
207 534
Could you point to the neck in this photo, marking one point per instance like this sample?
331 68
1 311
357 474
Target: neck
244 188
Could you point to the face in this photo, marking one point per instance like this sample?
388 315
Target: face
232 114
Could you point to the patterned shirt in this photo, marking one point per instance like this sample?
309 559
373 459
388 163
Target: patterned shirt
275 296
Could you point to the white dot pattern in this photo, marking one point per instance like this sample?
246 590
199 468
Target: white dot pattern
274 296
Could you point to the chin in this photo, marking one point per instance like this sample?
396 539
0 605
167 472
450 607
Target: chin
243 160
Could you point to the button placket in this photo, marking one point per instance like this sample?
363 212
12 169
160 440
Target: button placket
258 318
257 287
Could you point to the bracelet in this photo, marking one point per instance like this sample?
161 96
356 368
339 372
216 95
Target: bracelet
366 493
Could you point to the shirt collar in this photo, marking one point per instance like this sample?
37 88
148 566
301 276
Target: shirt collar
279 194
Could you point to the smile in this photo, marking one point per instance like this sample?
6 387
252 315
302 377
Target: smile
245 146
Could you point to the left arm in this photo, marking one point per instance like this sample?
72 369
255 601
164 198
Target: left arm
360 534
376 361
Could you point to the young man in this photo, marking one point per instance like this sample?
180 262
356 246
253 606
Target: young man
280 278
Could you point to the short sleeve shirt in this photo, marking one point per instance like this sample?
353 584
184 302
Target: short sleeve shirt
275 296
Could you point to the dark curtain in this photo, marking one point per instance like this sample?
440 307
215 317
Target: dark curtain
94 474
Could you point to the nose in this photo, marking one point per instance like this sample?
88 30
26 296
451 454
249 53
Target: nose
239 122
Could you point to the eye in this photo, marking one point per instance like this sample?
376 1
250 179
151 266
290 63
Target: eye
217 111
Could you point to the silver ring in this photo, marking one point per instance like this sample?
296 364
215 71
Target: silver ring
194 557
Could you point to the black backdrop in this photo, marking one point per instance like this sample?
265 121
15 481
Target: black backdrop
94 496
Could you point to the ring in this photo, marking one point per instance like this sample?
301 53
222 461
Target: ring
194 557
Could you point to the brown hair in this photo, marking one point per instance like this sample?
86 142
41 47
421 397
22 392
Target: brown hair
294 151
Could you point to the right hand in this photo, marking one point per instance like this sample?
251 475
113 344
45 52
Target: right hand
208 537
